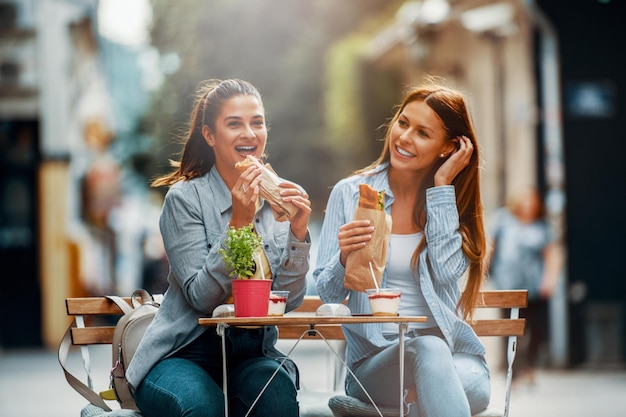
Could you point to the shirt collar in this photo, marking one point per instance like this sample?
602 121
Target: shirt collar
223 197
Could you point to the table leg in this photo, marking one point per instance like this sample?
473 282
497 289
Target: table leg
402 328
221 331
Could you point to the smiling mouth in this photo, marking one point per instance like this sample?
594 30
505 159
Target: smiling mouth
245 149
404 152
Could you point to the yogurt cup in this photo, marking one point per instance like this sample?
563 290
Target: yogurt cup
384 301
277 303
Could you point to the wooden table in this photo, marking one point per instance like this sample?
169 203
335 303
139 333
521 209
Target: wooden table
316 324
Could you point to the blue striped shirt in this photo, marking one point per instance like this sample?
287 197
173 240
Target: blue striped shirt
442 265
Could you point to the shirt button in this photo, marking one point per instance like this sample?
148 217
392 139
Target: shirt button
432 304
258 220
293 248
266 246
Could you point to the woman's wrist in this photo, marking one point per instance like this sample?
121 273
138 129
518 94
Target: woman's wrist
300 236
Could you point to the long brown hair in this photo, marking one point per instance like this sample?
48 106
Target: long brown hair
197 156
451 108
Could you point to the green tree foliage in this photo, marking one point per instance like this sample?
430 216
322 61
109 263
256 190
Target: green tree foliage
281 47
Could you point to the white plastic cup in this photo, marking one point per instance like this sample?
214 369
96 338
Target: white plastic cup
384 301
277 303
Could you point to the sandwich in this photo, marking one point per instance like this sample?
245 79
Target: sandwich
269 188
370 198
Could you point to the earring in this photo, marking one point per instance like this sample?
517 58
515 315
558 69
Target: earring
442 155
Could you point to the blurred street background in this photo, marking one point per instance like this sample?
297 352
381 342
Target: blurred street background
93 93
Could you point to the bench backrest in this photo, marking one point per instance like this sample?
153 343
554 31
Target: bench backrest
98 330
483 326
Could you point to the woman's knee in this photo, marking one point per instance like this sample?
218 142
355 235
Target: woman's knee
278 398
428 351
426 344
179 387
474 375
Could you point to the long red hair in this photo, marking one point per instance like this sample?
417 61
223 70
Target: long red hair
451 108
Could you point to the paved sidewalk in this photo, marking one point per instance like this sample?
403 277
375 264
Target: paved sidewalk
32 384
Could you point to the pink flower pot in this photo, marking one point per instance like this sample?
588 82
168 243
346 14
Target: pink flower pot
251 297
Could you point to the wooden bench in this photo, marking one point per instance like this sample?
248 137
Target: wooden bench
95 319
484 325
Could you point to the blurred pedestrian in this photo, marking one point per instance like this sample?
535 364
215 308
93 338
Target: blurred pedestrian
177 368
525 255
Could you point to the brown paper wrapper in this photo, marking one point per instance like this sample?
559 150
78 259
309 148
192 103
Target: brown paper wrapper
358 275
270 191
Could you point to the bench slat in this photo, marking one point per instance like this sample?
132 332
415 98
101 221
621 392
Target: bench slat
499 327
94 335
503 299
487 299
93 306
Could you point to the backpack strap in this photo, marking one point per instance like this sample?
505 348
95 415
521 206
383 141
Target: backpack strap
139 297
123 305
84 390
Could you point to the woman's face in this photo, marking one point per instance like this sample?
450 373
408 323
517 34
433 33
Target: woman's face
418 138
240 130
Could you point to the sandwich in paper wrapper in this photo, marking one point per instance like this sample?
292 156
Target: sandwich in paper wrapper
269 189
371 207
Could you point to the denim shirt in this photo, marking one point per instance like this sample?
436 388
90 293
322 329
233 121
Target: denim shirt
442 264
193 223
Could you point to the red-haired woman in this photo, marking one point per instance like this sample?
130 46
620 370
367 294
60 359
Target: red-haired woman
429 170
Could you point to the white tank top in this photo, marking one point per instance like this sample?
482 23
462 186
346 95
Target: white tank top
400 275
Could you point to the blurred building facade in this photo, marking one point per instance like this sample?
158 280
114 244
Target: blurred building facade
56 61
535 81
70 225
19 164
593 110
73 221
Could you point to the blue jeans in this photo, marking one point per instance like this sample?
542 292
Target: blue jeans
446 384
190 383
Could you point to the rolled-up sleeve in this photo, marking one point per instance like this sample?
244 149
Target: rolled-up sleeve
444 241
329 272
195 262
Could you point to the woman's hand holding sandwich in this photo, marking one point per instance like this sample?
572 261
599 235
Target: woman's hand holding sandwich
256 180
292 193
352 236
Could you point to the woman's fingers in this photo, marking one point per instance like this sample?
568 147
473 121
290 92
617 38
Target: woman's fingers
247 184
245 192
289 189
353 236
456 163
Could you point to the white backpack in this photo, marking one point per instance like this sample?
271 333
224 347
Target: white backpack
129 330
